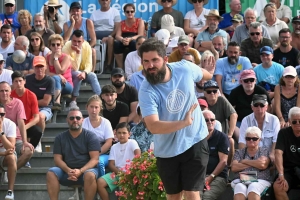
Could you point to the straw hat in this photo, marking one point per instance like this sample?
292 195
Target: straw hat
173 2
214 13
53 3
204 2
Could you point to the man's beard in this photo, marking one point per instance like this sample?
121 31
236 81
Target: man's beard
75 127
284 44
118 84
158 77
232 60
38 28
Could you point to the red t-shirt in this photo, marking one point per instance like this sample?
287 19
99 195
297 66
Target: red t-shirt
30 103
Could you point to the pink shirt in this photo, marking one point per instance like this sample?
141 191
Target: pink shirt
14 110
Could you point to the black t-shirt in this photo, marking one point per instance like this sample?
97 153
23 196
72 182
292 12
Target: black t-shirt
129 95
218 142
40 87
242 101
290 145
224 54
121 110
286 59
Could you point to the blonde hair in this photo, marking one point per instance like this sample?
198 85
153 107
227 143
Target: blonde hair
94 98
56 37
25 13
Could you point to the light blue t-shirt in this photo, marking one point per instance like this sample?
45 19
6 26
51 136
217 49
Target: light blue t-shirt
171 101
231 73
270 75
137 79
206 36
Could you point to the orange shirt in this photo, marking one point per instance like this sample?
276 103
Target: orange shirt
30 103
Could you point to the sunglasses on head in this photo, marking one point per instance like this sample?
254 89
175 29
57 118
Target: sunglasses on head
55 44
2 114
295 122
249 79
9 5
199 1
164 1
211 91
129 11
259 105
252 138
36 39
75 117
209 120
289 76
255 33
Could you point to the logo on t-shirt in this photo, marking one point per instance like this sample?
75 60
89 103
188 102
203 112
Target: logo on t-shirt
175 101
293 148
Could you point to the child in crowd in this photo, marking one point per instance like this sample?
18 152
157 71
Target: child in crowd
124 150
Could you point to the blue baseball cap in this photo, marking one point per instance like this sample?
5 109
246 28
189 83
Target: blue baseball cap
267 50
210 84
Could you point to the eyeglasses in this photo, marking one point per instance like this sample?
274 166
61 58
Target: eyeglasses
259 105
36 39
252 138
55 44
164 1
209 120
199 1
211 91
2 114
255 33
129 11
75 117
289 77
249 79
295 122
9 5
284 38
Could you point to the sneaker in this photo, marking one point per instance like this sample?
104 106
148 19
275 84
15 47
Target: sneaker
27 165
9 195
38 148
72 104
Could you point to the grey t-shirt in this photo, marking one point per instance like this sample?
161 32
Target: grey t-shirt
156 18
75 151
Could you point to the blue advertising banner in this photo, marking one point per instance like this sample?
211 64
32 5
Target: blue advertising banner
144 8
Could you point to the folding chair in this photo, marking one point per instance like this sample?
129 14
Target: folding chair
100 48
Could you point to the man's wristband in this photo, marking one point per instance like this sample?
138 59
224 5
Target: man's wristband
212 175
280 174
81 170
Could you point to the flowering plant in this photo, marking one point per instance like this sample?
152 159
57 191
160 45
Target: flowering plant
140 179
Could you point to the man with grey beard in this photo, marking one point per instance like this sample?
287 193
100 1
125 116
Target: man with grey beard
39 26
228 69
219 44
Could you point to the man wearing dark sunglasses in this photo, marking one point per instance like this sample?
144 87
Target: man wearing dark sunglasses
10 16
287 156
76 155
268 123
250 47
241 96
54 20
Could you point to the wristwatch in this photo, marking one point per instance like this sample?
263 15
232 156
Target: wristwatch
2 133
55 58
212 175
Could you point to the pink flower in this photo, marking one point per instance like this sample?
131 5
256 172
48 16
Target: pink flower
113 175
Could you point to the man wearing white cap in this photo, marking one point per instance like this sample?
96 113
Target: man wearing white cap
183 47
203 40
167 22
5 74
163 35
9 16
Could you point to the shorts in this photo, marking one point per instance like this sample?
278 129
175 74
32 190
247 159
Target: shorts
63 176
110 182
185 171
257 187
19 145
2 159
291 178
47 112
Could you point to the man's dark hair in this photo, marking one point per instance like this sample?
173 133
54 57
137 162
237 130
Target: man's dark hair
108 89
17 74
78 33
153 44
285 30
233 44
140 37
6 26
123 125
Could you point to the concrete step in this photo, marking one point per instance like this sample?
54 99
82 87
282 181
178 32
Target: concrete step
61 116
44 159
34 175
53 129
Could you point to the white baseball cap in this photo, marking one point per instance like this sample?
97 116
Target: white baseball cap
1 57
167 22
10 1
163 35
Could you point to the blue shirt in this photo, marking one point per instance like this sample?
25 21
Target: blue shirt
26 65
206 36
137 79
231 73
83 27
171 101
226 22
13 19
270 75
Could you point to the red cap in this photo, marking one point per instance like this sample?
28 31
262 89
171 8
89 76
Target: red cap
202 102
39 60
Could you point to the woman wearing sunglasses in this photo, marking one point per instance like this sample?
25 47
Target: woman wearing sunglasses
286 95
37 46
246 163
24 18
272 23
59 67
127 33
101 127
